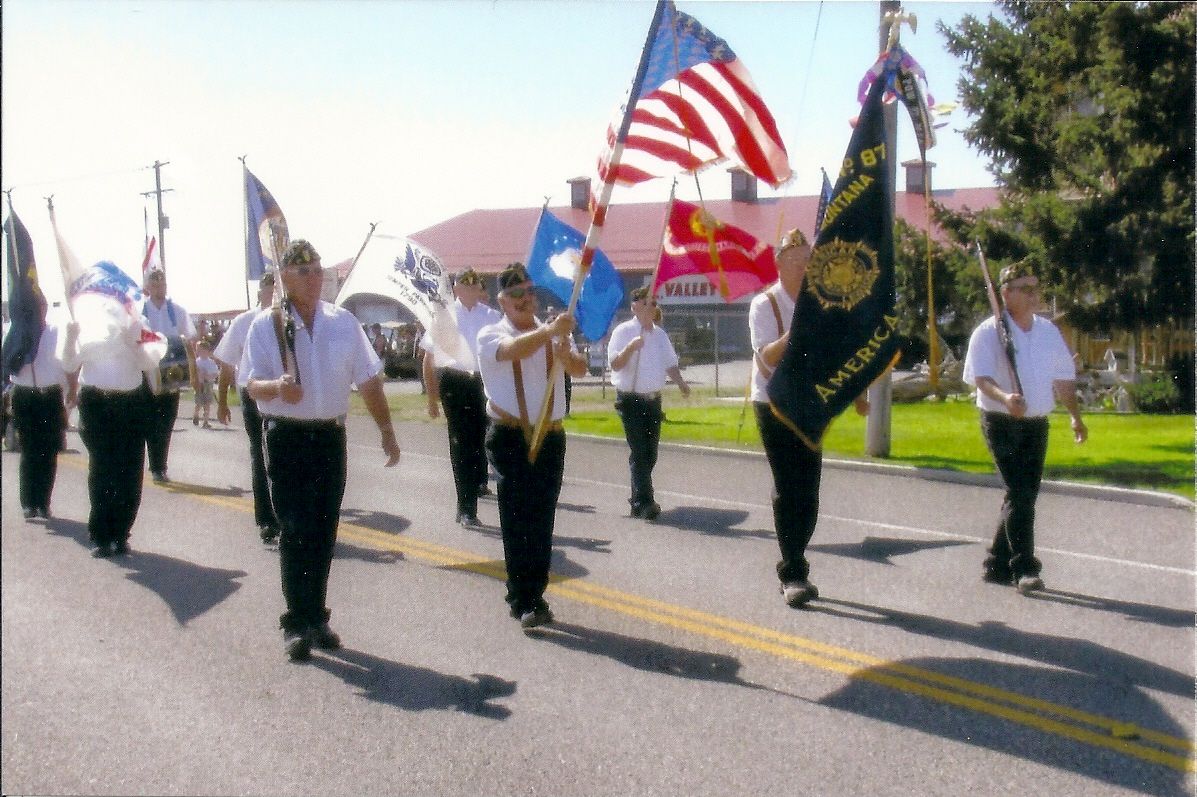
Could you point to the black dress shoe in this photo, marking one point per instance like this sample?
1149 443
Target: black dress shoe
29 512
269 534
44 512
120 547
468 521
102 551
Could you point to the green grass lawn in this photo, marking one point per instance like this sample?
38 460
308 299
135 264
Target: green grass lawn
1147 451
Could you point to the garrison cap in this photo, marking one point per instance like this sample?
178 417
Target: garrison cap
1017 270
791 239
300 252
513 275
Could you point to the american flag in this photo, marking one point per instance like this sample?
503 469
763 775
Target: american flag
696 106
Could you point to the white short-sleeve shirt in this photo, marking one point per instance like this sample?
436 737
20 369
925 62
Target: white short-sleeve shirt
762 330
646 370
498 377
46 368
1042 357
332 357
469 322
159 320
232 345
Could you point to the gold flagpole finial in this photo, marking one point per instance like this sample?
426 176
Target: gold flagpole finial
895 19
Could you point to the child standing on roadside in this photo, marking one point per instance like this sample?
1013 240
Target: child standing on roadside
206 372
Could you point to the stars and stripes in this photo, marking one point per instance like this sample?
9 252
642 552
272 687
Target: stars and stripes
697 105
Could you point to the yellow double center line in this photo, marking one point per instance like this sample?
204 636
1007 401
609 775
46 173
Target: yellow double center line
1081 726
1032 712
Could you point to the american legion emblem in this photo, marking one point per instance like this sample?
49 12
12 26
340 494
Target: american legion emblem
842 273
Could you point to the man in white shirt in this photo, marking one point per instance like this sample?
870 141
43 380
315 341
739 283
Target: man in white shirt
229 353
641 356
39 405
796 467
167 318
455 381
1014 407
302 364
516 357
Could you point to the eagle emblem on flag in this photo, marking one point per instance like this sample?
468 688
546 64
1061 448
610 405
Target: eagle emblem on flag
841 273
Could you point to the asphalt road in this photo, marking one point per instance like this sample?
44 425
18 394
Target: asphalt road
674 668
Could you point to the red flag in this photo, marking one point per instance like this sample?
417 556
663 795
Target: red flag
151 260
697 243
697 105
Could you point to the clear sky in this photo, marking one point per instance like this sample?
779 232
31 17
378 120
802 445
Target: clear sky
402 112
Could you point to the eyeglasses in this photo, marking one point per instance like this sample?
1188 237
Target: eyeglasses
155 277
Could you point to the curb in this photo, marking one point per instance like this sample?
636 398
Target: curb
1099 492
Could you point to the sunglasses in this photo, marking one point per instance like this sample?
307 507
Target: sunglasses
155 277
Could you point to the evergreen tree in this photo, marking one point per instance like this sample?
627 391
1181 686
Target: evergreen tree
1086 112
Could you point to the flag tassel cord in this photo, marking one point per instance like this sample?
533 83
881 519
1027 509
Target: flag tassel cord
597 218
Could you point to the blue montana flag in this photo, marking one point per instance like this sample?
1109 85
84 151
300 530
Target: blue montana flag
552 263
25 300
843 333
266 229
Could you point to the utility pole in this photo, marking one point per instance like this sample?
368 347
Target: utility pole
877 426
163 220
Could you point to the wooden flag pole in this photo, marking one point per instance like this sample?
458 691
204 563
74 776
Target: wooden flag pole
597 219
356 257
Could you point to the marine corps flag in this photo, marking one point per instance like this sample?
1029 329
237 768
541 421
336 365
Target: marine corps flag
842 337
695 242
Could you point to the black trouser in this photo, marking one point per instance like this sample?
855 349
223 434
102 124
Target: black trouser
163 409
263 509
306 463
39 418
796 474
641 417
527 494
464 403
1019 448
112 424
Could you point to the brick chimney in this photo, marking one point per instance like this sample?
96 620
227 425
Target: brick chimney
743 185
914 175
579 193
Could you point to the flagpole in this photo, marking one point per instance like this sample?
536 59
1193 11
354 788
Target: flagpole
597 219
245 225
369 235
652 286
66 286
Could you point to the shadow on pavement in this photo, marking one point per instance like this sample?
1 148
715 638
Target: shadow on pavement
1116 671
1045 746
347 550
715 522
378 521
416 688
879 550
189 590
1137 612
188 488
646 655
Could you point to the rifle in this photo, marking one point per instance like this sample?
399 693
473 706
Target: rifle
1003 327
